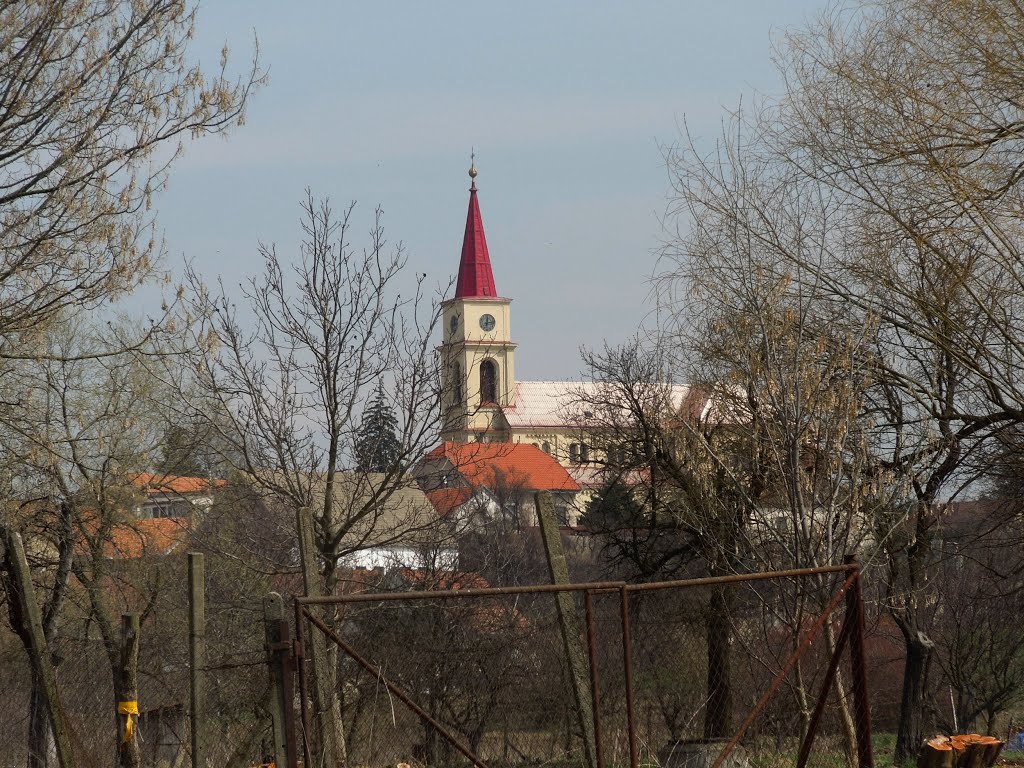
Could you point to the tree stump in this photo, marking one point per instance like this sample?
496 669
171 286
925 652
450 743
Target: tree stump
964 750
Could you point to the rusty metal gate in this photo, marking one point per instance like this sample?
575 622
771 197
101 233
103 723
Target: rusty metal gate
293 657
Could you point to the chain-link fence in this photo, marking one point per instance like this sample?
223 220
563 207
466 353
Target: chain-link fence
86 658
491 668
672 674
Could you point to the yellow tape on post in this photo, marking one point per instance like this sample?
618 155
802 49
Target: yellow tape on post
131 709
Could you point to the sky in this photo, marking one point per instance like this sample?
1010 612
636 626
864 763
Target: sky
569 106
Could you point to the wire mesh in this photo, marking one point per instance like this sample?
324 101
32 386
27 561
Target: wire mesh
235 719
494 671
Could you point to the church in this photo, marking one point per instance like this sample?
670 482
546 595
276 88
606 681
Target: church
482 401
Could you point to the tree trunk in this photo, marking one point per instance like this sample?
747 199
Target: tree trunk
27 622
319 664
845 716
910 728
800 692
42 750
129 754
718 713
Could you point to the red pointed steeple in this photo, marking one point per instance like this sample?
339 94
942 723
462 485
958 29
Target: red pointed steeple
475 276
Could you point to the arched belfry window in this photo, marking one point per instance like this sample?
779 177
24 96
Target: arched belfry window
457 383
488 382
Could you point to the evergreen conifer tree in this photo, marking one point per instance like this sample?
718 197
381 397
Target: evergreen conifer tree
377 447
183 452
613 508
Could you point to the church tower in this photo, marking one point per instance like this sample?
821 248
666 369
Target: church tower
477 354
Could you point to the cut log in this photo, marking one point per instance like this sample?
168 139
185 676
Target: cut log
962 750
937 753
975 750
993 750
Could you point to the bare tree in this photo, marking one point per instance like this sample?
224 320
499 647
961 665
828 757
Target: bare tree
98 98
282 383
907 111
899 130
697 479
71 451
979 652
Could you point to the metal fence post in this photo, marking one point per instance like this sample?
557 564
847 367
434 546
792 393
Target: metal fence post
627 669
858 667
595 690
197 655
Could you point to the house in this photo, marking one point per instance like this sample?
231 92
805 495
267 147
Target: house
166 511
381 522
399 529
471 483
173 496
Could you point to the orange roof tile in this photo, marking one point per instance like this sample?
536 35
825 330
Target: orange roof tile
153 482
443 579
482 464
447 500
155 536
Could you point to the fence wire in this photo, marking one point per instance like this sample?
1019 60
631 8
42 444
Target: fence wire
494 671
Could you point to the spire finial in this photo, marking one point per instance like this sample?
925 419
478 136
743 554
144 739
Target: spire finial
475 276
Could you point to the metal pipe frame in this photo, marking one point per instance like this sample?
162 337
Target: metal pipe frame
300 666
858 668
595 687
595 587
627 669
399 692
809 636
826 687
589 589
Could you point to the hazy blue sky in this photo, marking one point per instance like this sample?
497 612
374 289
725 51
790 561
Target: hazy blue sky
567 104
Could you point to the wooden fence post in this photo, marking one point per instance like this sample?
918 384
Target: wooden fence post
569 622
282 691
128 752
197 654
39 651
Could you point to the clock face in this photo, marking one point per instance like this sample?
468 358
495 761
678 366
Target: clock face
487 322
453 323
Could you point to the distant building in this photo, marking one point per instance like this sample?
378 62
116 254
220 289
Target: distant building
173 496
471 484
166 512
482 401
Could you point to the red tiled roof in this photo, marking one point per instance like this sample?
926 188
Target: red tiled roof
155 536
443 579
482 464
475 276
152 482
447 500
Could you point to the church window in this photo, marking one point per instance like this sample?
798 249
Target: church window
584 453
488 382
545 446
617 456
457 383
574 453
